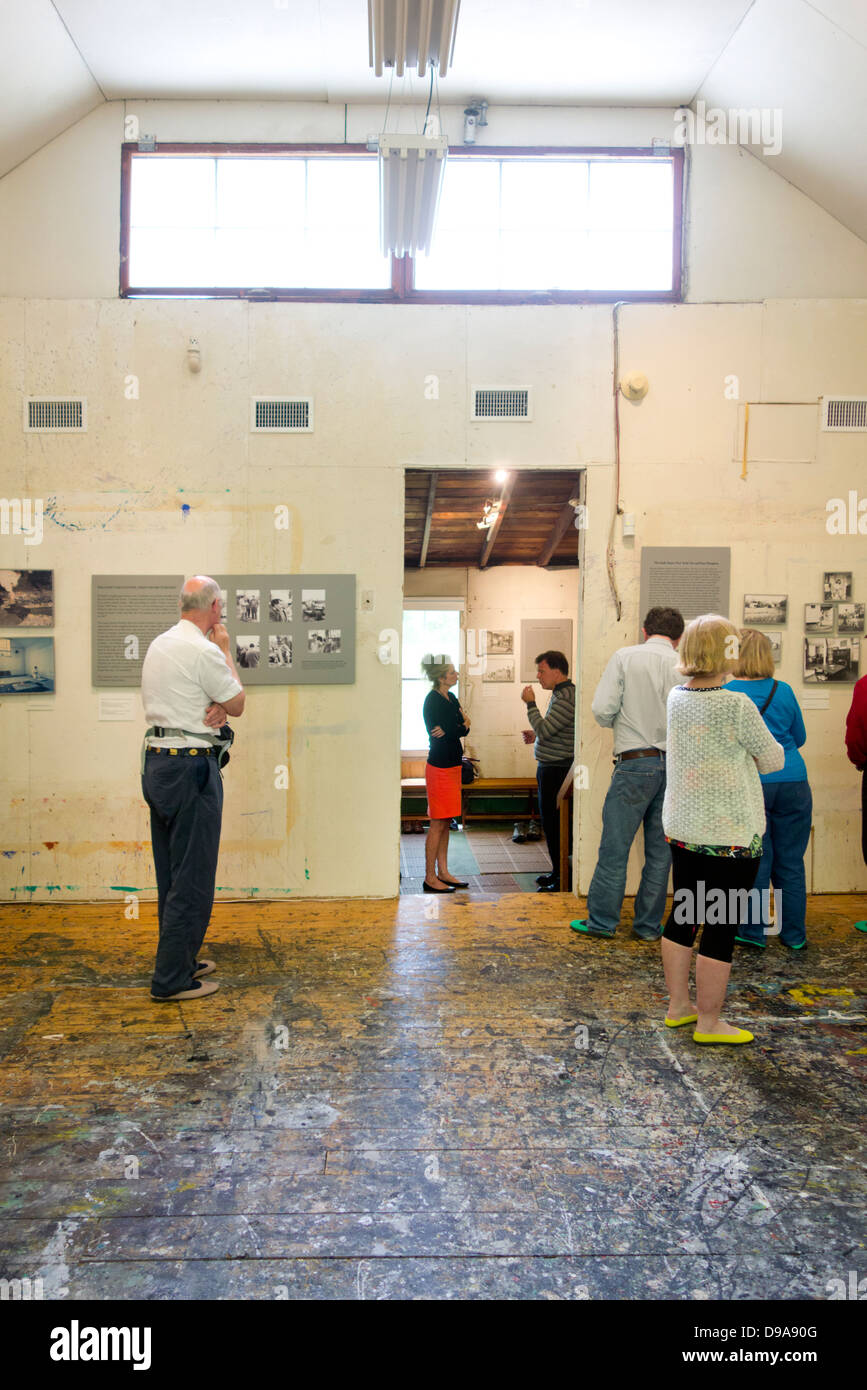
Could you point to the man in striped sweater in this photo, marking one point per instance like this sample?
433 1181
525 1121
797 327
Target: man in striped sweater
554 748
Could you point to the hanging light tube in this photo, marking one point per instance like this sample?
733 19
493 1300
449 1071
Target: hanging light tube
404 33
411 171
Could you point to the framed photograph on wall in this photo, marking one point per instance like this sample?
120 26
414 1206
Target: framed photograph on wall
499 670
500 643
765 610
837 584
26 665
776 641
850 617
819 617
26 598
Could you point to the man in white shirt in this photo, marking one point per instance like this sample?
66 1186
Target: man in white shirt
631 699
189 686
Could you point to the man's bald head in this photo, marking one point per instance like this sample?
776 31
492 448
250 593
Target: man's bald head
199 593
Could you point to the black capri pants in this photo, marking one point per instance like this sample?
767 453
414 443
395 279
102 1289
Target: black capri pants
709 886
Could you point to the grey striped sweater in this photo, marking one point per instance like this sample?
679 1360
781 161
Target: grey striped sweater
555 733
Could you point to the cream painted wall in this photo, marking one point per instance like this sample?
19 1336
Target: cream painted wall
77 826
498 599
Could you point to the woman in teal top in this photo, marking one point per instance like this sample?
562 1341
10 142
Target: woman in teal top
788 799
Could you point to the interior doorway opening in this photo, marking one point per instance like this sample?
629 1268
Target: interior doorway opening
491 580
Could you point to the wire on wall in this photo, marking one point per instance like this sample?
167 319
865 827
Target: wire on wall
616 508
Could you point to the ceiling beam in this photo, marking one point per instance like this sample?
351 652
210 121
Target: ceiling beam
491 533
425 540
560 527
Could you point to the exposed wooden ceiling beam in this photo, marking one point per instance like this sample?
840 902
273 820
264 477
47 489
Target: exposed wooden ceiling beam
560 527
431 497
491 533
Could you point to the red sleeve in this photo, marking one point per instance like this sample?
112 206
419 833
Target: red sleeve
856 725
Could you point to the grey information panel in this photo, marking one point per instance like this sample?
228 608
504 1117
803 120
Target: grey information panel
694 579
291 629
284 629
127 612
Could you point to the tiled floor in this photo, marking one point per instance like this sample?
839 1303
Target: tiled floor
485 857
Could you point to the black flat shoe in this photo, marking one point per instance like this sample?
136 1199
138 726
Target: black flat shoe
428 889
455 883
544 879
548 888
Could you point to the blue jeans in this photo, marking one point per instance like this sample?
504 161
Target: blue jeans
634 797
788 812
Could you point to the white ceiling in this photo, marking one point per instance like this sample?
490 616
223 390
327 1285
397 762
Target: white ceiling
61 58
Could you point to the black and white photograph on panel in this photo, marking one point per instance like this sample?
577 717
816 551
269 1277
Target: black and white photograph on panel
313 605
850 617
837 585
831 659
765 610
776 641
247 653
26 665
280 649
316 641
500 643
224 599
26 598
280 606
499 671
819 617
332 641
247 605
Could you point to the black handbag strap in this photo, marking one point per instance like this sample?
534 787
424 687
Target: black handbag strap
770 697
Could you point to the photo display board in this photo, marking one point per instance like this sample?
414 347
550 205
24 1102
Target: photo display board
284 629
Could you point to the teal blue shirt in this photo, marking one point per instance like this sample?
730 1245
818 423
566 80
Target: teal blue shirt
785 721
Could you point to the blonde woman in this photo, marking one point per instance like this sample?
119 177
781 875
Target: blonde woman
713 816
788 799
446 724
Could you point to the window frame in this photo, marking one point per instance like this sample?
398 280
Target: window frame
402 290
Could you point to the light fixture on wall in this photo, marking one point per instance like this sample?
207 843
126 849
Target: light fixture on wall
410 178
411 32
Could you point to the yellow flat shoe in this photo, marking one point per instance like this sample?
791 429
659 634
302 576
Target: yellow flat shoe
741 1036
679 1022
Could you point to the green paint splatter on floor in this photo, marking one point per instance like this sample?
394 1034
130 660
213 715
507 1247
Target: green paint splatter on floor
123 888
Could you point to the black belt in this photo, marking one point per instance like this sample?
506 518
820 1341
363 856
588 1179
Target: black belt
186 752
640 753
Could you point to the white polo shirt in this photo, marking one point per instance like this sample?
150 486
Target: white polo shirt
181 674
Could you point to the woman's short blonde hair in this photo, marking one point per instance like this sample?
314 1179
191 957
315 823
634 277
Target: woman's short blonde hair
435 667
757 657
709 646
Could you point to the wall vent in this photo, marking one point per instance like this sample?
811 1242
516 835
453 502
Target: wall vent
280 415
43 414
502 403
844 413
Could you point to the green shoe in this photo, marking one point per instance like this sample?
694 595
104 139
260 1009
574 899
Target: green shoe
584 929
861 926
745 941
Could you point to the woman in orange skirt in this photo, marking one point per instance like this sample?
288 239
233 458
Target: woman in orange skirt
446 724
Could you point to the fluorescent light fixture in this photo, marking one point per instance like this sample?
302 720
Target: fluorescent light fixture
410 178
402 32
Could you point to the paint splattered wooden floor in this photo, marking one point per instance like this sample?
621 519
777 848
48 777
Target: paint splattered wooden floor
382 1105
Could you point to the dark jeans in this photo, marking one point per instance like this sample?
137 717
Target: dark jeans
185 796
788 813
550 778
703 888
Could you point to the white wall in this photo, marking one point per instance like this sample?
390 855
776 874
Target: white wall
76 825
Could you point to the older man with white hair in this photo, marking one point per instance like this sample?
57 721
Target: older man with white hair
189 686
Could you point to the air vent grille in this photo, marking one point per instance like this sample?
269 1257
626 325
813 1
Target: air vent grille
502 403
844 413
280 415
42 414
